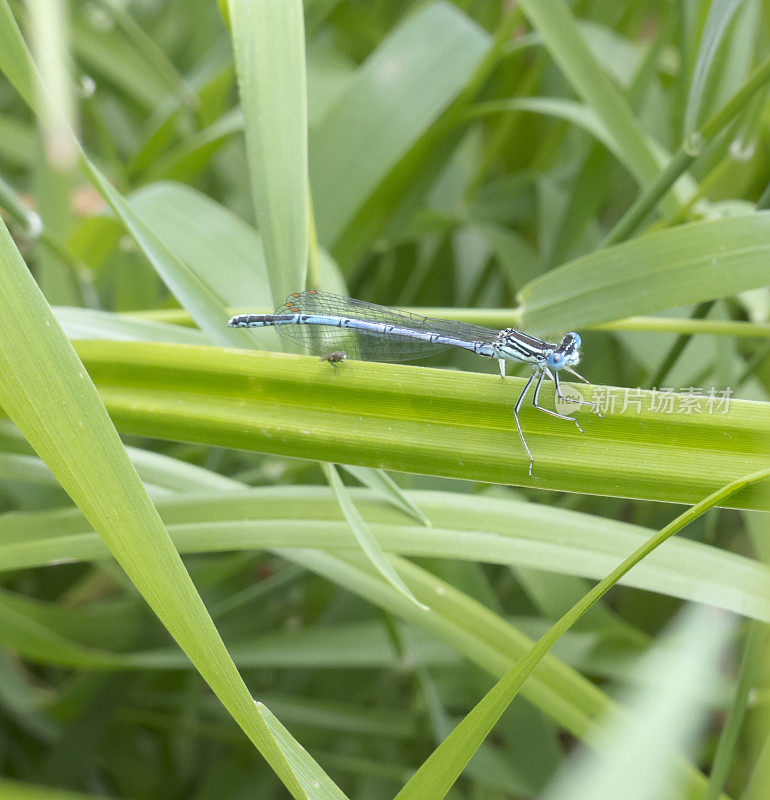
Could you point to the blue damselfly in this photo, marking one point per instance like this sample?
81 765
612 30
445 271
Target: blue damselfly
323 322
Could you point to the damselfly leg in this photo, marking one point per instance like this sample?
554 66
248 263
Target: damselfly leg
541 375
548 410
516 417
580 402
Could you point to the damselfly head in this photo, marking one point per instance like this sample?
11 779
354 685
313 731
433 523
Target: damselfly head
567 354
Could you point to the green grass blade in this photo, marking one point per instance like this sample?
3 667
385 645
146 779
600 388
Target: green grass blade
467 626
367 541
711 327
50 38
463 623
574 702
666 269
26 469
269 45
466 151
88 323
663 716
474 528
504 317
16 790
437 775
393 99
720 14
192 155
22 632
414 419
148 52
579 114
45 390
195 293
750 670
112 57
759 780
15 60
119 498
553 20
217 247
387 488
689 151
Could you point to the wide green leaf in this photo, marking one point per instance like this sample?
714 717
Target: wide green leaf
666 269
438 422
269 46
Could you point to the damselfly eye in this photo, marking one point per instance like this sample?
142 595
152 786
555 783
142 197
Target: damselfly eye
555 360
